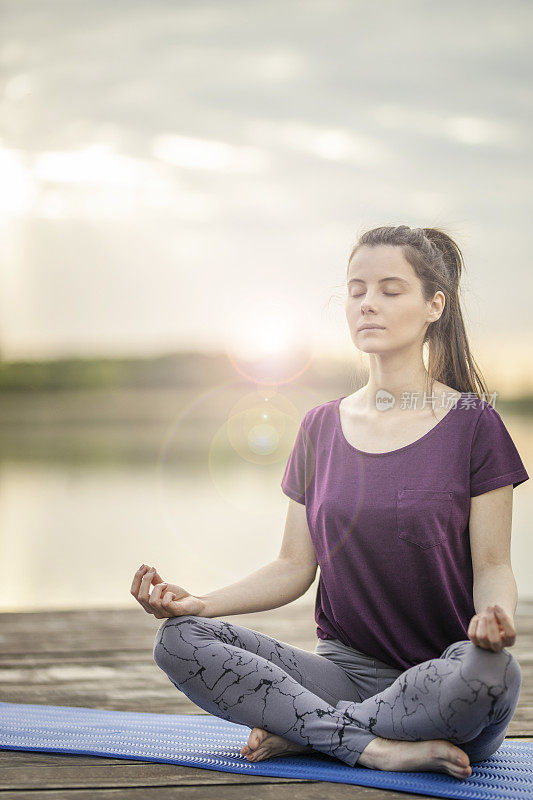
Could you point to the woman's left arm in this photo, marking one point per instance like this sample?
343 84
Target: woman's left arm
495 590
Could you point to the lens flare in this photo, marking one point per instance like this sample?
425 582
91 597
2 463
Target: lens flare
267 340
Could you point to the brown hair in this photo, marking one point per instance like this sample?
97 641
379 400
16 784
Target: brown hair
438 263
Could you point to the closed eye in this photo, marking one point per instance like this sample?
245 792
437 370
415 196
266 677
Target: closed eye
389 294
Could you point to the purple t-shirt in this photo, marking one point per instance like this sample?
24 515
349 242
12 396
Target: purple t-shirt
390 530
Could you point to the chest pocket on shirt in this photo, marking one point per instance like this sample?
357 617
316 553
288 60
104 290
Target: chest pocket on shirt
423 516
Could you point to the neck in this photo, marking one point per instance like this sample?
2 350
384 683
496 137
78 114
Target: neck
407 382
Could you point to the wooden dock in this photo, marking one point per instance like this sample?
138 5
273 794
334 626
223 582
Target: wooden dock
103 659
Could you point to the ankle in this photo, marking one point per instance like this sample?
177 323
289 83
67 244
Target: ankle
370 754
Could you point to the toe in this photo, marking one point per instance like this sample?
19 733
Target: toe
253 740
260 736
251 743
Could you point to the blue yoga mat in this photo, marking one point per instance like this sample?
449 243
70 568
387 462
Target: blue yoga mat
207 742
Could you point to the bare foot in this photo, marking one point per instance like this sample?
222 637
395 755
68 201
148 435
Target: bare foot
434 755
262 744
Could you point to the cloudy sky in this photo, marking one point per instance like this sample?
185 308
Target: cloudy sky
194 174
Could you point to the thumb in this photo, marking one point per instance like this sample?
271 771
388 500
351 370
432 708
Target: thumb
170 603
175 607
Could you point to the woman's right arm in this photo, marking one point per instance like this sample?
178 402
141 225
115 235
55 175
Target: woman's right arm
280 582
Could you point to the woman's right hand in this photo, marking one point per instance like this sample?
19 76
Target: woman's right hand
167 599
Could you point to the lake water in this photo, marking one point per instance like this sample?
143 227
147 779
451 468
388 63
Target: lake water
73 534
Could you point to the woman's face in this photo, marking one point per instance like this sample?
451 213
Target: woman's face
383 289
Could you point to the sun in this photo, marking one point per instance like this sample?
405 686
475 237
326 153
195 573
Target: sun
264 333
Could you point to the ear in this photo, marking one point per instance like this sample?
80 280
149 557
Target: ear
436 306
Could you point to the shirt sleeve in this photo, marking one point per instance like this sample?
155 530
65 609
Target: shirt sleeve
494 459
293 482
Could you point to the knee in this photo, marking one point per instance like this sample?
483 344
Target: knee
499 668
495 669
172 640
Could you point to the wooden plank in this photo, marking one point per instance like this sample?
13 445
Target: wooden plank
129 630
300 790
102 776
30 770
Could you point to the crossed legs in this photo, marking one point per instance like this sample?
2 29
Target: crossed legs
467 696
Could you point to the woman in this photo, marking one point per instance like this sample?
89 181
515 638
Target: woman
408 514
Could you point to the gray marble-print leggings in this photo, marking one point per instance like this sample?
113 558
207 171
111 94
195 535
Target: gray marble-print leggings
339 701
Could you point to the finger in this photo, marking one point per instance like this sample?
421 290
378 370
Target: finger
137 578
507 625
165 607
504 620
472 628
155 598
146 582
493 633
482 631
481 634
144 592
164 591
156 577
172 606
168 599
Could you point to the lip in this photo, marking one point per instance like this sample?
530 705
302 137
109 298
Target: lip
371 328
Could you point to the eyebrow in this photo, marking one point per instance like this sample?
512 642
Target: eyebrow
390 278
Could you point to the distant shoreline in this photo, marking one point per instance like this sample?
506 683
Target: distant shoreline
195 373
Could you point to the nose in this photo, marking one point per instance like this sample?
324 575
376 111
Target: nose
366 307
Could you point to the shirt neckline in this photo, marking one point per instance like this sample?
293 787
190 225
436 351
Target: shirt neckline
398 449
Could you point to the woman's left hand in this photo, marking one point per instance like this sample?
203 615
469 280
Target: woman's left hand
493 629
